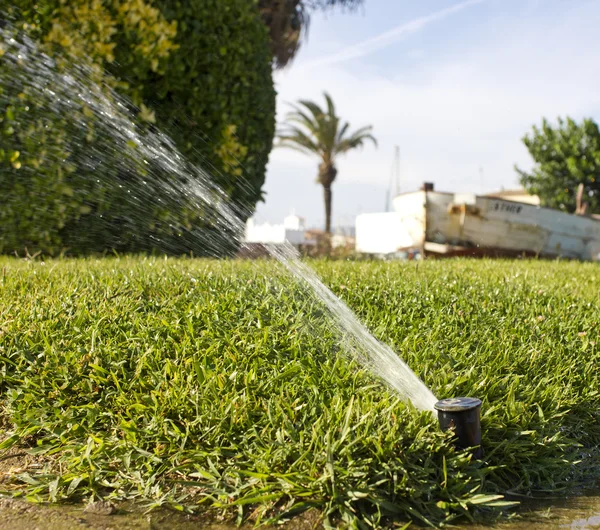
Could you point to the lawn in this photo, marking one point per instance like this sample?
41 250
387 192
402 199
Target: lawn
220 385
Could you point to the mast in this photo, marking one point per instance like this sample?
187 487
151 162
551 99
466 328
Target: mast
394 185
397 168
481 181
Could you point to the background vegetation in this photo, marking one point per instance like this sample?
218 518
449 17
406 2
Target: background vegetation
220 384
288 22
565 156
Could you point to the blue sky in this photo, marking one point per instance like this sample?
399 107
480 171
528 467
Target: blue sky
456 84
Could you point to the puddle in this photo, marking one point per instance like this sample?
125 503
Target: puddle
577 512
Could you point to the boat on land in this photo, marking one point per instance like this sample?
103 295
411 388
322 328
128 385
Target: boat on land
437 224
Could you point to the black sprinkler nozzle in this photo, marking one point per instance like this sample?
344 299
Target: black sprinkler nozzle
462 416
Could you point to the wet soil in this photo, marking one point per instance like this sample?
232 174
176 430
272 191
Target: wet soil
577 512
17 514
20 515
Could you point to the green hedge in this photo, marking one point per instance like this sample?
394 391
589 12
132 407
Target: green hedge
198 70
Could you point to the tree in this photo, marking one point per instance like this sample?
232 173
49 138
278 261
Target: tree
565 156
316 131
288 21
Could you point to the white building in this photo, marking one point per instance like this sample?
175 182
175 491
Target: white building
381 233
292 230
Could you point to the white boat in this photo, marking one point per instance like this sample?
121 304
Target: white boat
451 224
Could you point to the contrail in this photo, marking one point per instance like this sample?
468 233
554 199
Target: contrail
388 37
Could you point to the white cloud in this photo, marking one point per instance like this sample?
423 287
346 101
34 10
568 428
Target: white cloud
386 38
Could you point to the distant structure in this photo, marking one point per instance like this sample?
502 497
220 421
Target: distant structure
395 233
292 231
380 233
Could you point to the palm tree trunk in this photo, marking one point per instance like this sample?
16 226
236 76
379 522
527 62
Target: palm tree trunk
327 174
327 197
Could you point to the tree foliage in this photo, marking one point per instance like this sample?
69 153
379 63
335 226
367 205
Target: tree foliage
288 22
565 156
199 70
318 131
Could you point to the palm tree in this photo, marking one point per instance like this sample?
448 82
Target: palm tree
315 131
288 20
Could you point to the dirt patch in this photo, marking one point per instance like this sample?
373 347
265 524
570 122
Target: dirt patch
16 460
20 515
17 514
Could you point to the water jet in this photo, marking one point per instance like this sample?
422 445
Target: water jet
462 414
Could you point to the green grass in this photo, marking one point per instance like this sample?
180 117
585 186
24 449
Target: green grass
204 384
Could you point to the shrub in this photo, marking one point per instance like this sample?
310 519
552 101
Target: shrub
199 70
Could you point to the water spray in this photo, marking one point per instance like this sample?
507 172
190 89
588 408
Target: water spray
180 186
462 416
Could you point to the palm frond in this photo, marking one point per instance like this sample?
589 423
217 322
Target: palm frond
299 117
326 125
366 130
295 147
358 139
315 110
315 120
295 138
342 132
330 105
314 130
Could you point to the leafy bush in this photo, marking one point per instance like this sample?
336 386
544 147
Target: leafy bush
199 70
565 156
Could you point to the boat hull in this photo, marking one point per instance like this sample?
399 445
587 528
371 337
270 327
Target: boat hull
465 224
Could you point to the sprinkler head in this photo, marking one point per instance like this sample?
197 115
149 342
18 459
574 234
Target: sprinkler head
462 416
